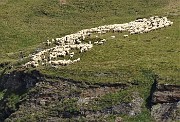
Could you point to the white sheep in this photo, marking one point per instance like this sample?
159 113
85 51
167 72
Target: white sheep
72 41
76 60
83 49
125 36
71 54
100 43
113 37
48 43
96 42
103 40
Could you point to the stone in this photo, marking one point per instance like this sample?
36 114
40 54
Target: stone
118 119
166 112
166 94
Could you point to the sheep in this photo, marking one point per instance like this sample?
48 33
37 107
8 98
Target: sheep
71 54
67 50
96 42
72 41
65 62
83 37
76 60
26 65
72 46
78 41
54 62
34 64
52 56
83 49
42 63
78 47
48 42
125 36
100 43
89 46
89 34
53 40
61 54
113 37
103 40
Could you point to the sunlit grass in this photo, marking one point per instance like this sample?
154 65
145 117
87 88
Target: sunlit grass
24 25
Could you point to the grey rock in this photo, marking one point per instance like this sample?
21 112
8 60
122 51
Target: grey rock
166 94
166 112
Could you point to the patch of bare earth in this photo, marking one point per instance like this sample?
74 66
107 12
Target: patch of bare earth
62 2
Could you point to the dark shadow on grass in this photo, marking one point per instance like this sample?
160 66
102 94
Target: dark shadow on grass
149 103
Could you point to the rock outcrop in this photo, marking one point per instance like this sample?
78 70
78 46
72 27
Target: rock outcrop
14 85
32 96
166 94
166 112
18 80
166 103
42 98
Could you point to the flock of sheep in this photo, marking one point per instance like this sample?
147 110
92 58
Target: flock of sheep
68 45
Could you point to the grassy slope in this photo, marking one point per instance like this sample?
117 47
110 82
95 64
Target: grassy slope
25 24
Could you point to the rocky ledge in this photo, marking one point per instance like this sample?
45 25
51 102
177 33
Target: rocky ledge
166 103
32 96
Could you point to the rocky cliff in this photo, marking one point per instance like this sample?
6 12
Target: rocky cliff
32 96
166 103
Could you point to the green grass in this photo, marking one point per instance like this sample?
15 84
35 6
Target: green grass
27 23
122 60
1 95
24 25
145 117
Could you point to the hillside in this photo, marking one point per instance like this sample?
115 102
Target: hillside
124 67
